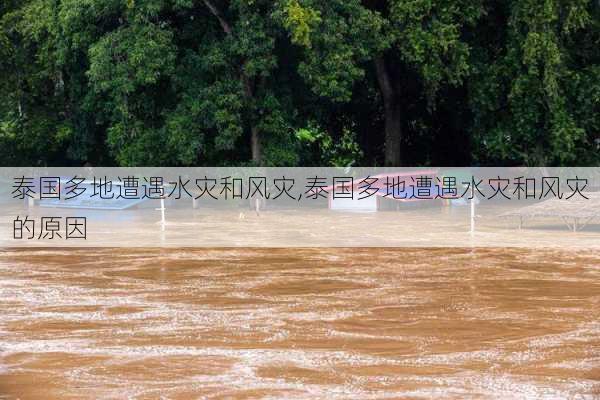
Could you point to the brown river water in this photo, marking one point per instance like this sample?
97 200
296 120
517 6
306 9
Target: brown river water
408 323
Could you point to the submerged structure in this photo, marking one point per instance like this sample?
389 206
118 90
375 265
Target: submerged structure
575 213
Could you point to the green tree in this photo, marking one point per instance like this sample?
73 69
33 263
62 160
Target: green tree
401 39
536 91
288 82
33 129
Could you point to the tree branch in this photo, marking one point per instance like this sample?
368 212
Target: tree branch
215 11
383 77
247 82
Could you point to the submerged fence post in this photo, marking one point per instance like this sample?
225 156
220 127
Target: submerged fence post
472 213
163 221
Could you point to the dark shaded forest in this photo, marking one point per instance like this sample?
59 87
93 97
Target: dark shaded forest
299 82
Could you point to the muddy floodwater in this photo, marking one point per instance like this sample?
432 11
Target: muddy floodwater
299 324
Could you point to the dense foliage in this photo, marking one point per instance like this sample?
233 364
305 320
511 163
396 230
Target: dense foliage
300 82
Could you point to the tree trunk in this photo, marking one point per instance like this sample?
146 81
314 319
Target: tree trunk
256 145
393 115
255 134
255 142
393 134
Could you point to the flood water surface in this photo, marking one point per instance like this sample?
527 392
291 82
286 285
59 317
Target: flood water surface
299 324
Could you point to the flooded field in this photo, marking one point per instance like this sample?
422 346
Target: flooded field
300 324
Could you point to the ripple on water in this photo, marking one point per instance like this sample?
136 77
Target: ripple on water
299 323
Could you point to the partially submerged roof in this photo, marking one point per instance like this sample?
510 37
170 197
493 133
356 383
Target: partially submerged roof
562 208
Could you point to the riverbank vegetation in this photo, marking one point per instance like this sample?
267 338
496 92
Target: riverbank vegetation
300 82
